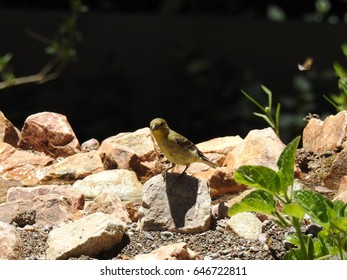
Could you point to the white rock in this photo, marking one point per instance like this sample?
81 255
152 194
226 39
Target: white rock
120 181
245 225
89 236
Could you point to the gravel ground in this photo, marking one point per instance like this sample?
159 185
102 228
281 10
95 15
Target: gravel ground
214 244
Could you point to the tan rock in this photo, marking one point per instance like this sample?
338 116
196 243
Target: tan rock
246 225
71 195
49 133
181 203
90 145
70 169
120 181
88 236
49 209
220 145
135 151
109 203
8 132
177 251
132 208
342 196
260 147
11 244
220 181
343 185
325 136
220 210
337 172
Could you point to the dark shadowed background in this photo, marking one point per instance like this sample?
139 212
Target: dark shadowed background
184 60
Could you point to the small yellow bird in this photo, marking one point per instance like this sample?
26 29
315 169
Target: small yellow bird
175 147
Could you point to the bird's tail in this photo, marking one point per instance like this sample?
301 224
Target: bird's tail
205 160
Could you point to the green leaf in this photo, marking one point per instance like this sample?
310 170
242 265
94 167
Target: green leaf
293 238
294 210
344 49
259 177
269 94
250 98
318 207
257 201
340 223
286 163
266 118
340 208
339 70
277 117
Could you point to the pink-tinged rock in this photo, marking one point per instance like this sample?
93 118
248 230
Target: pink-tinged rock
109 203
180 203
177 251
8 132
260 147
11 245
135 151
325 136
70 169
16 165
49 133
71 195
49 209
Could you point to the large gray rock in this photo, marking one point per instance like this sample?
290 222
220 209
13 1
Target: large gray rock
88 236
181 203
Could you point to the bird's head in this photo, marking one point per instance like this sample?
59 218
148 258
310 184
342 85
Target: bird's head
159 124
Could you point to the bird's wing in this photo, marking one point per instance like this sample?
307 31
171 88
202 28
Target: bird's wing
184 142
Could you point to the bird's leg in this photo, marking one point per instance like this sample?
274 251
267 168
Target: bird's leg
184 171
167 169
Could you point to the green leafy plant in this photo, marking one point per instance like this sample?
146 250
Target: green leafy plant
274 195
272 118
62 48
339 101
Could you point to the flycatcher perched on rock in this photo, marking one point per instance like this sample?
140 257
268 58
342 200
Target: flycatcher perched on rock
175 147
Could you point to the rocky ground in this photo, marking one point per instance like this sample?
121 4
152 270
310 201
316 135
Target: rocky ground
214 244
62 200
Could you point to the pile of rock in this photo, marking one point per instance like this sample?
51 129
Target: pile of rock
90 194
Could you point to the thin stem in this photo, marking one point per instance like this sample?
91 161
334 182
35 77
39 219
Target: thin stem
303 248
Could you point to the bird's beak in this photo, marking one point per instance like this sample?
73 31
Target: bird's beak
153 127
